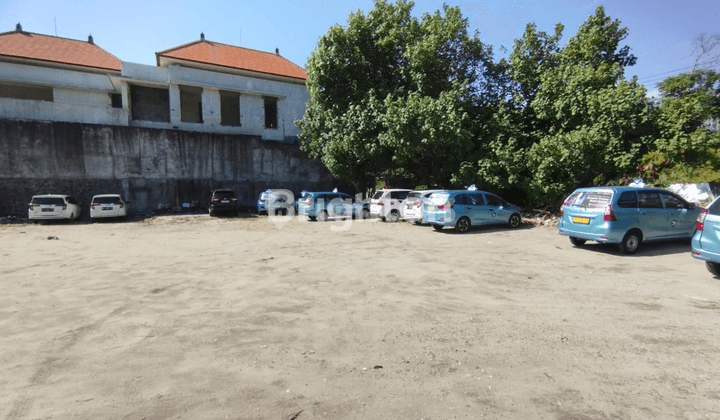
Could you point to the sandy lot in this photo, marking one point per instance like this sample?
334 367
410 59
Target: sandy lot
192 317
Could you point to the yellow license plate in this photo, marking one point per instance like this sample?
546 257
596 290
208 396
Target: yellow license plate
581 220
430 208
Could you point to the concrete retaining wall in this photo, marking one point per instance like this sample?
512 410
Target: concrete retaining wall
152 168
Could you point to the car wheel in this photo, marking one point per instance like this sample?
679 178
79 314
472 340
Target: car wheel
713 268
630 243
312 218
211 213
577 241
437 227
322 216
514 221
365 213
462 225
394 216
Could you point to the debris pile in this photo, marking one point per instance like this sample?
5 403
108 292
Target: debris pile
540 218
9 219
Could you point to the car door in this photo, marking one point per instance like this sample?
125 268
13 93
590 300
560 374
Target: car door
653 217
681 221
462 207
497 211
478 208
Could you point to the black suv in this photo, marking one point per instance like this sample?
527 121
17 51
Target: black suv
223 201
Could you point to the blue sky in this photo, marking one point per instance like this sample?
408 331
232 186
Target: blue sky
661 32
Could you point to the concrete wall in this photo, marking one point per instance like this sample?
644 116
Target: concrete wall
151 168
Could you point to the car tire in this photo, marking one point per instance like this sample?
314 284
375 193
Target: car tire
365 213
631 242
462 225
394 216
437 227
713 268
514 221
322 216
313 218
211 213
577 241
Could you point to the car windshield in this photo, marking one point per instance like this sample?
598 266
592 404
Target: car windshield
439 198
592 199
48 201
414 195
106 200
378 195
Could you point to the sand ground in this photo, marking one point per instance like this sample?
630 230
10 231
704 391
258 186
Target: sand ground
192 317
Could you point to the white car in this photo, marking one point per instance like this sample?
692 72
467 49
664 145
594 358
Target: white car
108 205
413 207
387 204
53 207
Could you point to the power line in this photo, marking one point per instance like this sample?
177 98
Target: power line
681 69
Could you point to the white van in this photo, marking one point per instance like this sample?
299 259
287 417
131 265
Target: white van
387 204
108 205
53 206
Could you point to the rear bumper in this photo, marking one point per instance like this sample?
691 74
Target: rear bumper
224 207
53 216
106 214
603 237
439 218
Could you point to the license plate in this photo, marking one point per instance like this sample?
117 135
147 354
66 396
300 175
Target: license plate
581 220
430 208
48 209
107 208
225 201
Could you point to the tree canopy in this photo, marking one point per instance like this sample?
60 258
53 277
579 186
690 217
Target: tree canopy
392 95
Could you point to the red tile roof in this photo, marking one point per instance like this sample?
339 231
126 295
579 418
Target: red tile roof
207 52
57 50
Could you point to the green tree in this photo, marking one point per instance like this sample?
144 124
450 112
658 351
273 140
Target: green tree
687 147
393 94
593 124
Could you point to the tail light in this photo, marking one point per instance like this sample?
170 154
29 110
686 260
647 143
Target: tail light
445 206
233 199
565 203
121 205
64 206
93 205
609 216
214 199
700 224
380 203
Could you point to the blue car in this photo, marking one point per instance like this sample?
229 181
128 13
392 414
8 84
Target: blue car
706 241
626 216
272 200
326 205
463 209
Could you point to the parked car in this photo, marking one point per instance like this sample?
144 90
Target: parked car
271 199
53 206
108 206
223 201
412 208
463 209
387 204
706 241
627 216
331 205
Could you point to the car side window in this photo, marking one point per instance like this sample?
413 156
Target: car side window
461 199
393 195
649 200
494 201
672 202
628 200
71 200
402 195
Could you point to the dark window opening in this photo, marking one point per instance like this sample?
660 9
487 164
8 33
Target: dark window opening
150 104
116 100
191 104
230 108
36 93
270 113
628 200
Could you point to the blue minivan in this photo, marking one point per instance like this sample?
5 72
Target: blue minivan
463 209
627 216
706 241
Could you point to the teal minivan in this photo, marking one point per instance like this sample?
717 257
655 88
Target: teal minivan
463 209
627 216
706 241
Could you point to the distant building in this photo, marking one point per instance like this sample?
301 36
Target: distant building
200 86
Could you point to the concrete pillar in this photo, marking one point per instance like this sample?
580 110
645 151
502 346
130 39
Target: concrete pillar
174 92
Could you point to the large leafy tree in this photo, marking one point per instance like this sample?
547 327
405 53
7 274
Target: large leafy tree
391 94
593 124
687 146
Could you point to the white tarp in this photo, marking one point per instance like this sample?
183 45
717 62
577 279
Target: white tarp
693 193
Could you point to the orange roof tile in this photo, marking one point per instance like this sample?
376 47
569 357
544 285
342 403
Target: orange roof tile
224 55
57 50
